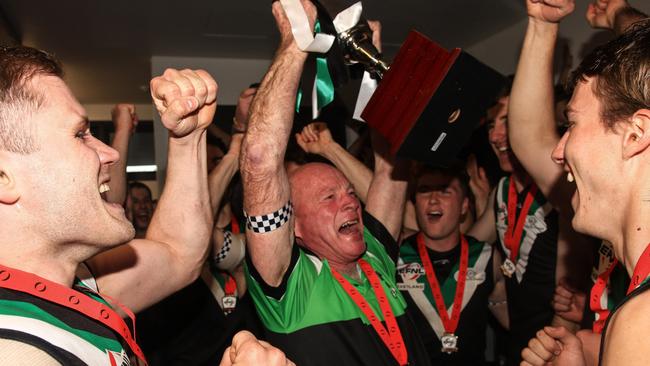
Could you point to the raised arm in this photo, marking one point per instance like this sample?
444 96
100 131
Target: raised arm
266 185
387 192
142 272
125 120
531 117
615 15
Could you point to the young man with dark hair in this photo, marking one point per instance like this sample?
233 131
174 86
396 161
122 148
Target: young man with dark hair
62 244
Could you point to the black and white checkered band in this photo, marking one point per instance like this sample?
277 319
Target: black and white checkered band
269 222
227 243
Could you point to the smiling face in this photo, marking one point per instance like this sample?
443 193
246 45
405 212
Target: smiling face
440 205
590 153
60 182
498 135
328 214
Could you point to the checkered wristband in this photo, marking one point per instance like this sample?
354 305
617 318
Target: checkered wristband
269 222
227 244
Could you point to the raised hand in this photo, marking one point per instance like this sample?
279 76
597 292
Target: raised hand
284 26
602 13
186 100
246 350
124 118
550 11
478 183
314 138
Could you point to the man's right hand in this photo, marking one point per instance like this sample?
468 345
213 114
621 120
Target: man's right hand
284 26
314 138
602 13
555 346
124 118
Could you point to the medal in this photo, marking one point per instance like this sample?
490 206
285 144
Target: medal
229 303
449 343
508 268
450 322
515 230
229 300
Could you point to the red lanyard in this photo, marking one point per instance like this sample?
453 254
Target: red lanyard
29 283
392 337
641 270
450 323
595 297
512 237
234 225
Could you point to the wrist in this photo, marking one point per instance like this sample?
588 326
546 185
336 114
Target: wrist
542 27
193 138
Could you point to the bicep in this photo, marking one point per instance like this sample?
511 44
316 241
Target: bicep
140 273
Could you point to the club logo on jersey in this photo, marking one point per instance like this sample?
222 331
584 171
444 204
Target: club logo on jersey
411 271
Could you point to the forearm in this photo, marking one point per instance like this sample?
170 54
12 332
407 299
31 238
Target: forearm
266 185
531 117
183 217
569 325
357 173
219 179
387 192
117 194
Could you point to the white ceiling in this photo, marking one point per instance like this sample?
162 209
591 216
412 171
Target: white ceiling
106 46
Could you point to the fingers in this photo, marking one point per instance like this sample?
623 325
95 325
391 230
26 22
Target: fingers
179 94
563 335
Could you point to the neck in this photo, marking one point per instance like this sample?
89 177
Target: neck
348 269
442 245
521 178
56 268
636 234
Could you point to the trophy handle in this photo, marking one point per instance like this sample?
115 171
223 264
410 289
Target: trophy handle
358 44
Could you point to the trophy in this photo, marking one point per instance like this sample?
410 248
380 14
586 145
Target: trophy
429 100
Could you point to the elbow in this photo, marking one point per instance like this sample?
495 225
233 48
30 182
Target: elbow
259 159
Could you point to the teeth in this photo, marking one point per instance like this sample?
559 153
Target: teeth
569 177
503 148
349 223
104 188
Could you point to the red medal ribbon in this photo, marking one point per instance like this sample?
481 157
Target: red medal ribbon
34 285
450 323
515 230
234 225
595 295
230 288
392 337
641 270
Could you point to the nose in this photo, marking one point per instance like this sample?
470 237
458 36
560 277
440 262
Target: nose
107 155
558 153
350 202
433 197
497 133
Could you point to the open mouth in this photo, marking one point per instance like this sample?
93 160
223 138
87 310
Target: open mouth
103 188
349 227
434 215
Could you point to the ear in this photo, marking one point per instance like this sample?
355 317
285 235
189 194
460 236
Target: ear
465 207
636 136
8 192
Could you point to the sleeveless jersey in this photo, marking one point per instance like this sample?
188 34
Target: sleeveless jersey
530 289
66 335
412 281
